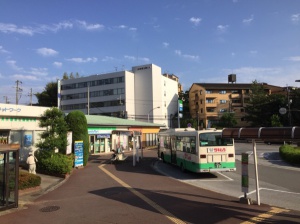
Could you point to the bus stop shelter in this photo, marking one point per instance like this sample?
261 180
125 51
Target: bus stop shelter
291 134
9 176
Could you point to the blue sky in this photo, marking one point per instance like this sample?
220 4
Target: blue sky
197 40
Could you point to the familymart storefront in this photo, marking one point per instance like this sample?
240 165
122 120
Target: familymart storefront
102 140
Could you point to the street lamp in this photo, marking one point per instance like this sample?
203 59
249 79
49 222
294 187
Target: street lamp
151 111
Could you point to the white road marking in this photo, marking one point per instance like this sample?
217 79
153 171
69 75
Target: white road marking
268 189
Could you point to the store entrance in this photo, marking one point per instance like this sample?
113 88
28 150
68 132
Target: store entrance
9 175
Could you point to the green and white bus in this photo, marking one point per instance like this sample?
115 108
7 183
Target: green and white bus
197 151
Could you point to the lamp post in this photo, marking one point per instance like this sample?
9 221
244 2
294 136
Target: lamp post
151 111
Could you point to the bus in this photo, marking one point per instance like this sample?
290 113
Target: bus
197 151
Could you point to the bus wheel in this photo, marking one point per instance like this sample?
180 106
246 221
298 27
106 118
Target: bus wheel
162 158
182 168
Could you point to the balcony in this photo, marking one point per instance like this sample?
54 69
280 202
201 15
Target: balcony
211 104
212 95
235 96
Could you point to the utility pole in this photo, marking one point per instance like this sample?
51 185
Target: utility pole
30 94
18 91
6 99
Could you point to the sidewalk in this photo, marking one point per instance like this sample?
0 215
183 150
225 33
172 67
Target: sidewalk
27 196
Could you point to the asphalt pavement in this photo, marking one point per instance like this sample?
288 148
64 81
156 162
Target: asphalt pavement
122 193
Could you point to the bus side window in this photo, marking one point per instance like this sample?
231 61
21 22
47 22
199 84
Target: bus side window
193 145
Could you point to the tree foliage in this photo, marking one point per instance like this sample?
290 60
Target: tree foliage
262 106
227 120
55 135
48 98
295 107
77 123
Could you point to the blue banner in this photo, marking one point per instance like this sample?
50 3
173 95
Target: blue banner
78 151
180 105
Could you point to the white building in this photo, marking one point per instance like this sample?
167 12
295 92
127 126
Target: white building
142 94
20 125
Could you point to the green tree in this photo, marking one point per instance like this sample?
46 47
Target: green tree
55 136
262 106
295 106
275 121
48 98
227 120
65 76
78 125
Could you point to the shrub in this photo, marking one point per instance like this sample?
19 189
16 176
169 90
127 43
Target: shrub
55 164
28 180
77 122
290 154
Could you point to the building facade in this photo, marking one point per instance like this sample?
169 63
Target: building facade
209 101
20 125
142 94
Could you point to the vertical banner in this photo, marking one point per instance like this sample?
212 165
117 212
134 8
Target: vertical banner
180 109
78 151
245 175
58 93
69 140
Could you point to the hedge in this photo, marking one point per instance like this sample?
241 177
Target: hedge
290 154
55 164
28 180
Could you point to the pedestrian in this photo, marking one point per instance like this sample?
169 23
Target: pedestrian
31 161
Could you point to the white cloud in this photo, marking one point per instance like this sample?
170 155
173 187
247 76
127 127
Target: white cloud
132 58
82 60
57 64
165 44
107 58
46 51
195 21
187 56
56 27
129 57
222 28
249 74
249 20
295 18
87 26
295 58
25 77
133 29
38 71
12 28
13 65
122 27
2 50
42 28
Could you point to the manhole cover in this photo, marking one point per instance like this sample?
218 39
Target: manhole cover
50 208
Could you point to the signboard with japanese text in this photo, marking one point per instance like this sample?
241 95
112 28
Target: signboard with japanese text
78 151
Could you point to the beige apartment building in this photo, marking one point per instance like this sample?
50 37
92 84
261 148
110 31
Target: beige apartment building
208 101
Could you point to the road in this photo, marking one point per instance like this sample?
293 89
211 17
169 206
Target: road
278 181
123 193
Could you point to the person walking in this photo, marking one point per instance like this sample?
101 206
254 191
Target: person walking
31 161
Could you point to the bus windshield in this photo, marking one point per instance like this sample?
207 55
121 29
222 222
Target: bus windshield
214 139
